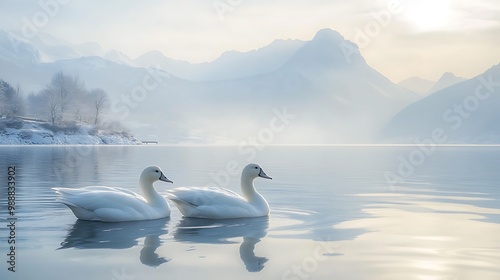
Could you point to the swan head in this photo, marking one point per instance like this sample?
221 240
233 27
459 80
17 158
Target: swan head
153 174
254 170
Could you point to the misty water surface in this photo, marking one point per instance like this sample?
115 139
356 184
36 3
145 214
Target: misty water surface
334 215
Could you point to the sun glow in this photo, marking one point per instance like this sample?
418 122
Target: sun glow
429 15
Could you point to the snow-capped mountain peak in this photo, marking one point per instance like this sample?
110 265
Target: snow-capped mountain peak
16 48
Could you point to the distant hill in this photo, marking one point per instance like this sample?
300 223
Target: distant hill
448 79
466 112
417 85
229 66
425 87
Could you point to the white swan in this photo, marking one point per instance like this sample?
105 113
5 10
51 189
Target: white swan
218 203
109 204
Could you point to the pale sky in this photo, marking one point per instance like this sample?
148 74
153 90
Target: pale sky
398 38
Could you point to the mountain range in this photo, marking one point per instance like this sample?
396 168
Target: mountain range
464 113
425 87
324 85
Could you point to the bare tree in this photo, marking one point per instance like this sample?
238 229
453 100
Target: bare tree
52 109
46 103
64 89
100 102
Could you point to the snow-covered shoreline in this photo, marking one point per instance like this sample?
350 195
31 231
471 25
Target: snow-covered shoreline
34 133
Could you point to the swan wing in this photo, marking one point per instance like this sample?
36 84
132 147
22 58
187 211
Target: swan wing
104 203
206 202
96 197
198 196
103 189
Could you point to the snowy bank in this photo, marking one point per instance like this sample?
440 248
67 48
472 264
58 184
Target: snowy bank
23 132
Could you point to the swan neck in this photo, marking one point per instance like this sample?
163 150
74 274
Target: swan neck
247 188
148 190
252 196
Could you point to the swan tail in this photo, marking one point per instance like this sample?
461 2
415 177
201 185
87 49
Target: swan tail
67 197
185 207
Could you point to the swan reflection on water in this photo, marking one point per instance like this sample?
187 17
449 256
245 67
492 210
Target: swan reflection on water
252 230
122 235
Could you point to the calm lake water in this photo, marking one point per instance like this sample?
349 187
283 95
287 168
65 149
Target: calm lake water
334 215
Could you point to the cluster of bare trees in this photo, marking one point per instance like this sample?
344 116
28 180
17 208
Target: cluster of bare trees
66 100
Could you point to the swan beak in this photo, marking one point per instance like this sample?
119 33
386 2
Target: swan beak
165 179
263 174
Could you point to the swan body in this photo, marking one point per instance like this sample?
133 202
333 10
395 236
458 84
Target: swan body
219 203
112 204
